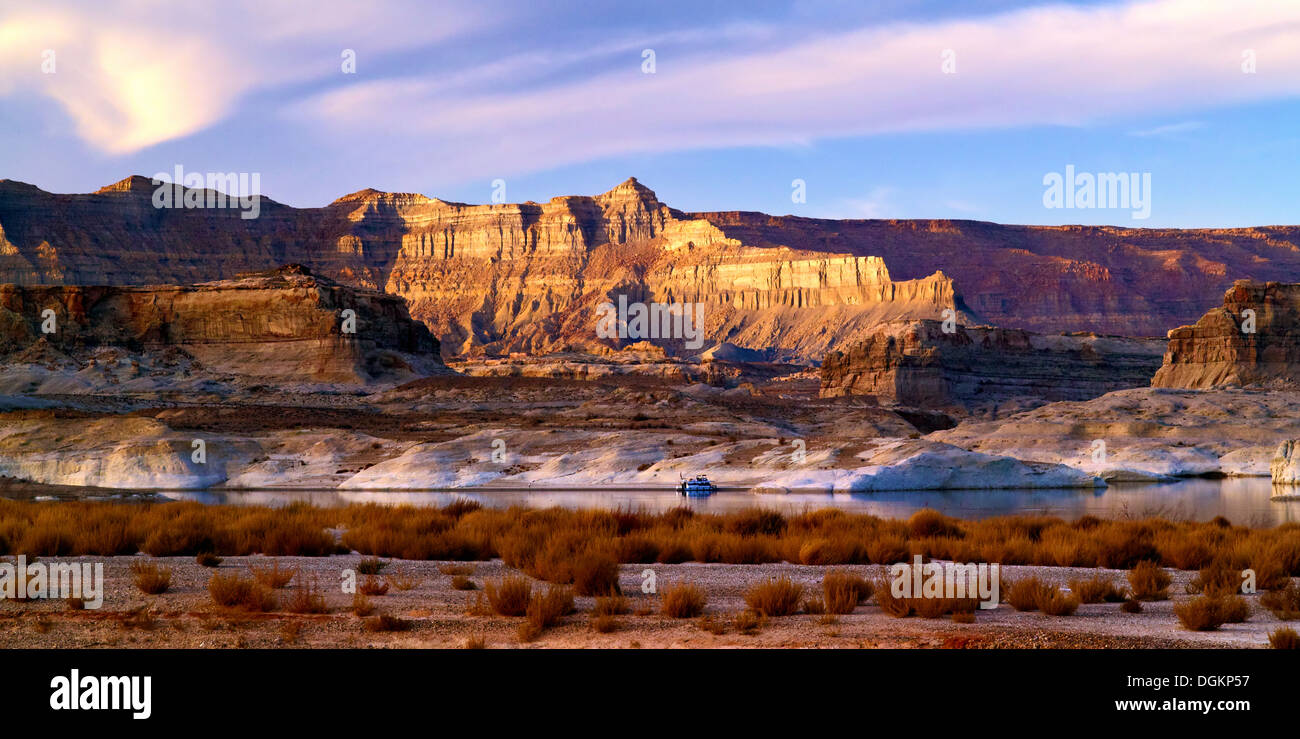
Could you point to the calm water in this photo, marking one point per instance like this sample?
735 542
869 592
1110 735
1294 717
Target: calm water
1242 500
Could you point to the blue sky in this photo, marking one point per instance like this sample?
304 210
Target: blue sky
852 98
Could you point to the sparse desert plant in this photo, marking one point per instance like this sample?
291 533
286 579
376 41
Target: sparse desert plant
372 586
776 597
403 581
1203 613
141 618
1283 603
1131 606
712 625
682 600
236 591
461 582
1057 603
274 576
370 565
1148 581
208 559
1216 578
1028 593
361 605
510 595
546 610
610 605
1284 638
456 569
149 578
749 622
814 605
1098 589
475 641
306 598
1233 609
892 605
595 574
384 622
842 591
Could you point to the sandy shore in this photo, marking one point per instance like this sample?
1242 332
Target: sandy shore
185 617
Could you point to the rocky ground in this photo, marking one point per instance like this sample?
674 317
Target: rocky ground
440 616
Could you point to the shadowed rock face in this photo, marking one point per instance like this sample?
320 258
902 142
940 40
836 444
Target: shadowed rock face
528 277
280 325
917 363
1218 350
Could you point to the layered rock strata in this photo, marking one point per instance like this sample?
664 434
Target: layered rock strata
917 363
1253 339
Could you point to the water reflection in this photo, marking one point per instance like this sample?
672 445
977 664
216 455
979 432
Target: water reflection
1243 501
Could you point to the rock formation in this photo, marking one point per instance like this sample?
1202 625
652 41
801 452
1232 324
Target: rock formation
527 277
1285 469
1224 348
917 363
281 325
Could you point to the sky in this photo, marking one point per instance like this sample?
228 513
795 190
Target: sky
829 109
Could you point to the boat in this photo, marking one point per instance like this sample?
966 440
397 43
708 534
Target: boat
697 487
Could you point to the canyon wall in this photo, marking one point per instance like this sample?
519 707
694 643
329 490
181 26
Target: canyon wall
527 277
1221 349
283 325
917 363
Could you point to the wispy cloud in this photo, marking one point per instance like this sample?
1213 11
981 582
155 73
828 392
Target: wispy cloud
1171 129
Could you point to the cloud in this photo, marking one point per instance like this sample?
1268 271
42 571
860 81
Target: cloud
1055 65
1171 129
133 74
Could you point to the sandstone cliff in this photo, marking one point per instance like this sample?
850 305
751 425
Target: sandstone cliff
527 277
917 363
282 325
1222 350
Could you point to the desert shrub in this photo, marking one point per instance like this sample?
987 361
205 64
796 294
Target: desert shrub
682 601
1057 603
1131 606
842 591
306 598
370 566
456 569
1283 603
236 591
888 550
546 610
1284 638
361 605
714 626
1147 581
776 597
1098 589
611 605
931 523
149 578
1234 609
460 582
475 641
892 605
754 522
595 574
748 622
273 576
1216 578
603 623
509 596
403 581
1201 614
208 559
384 623
372 586
1028 594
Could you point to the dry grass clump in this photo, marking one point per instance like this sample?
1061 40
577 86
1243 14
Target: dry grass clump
149 578
714 626
208 559
361 605
460 582
403 581
682 601
274 576
510 595
475 641
1028 594
386 623
1284 638
1216 578
372 586
604 624
595 574
1284 603
842 591
546 610
1057 603
776 597
306 598
1098 589
236 591
1131 606
1200 614
748 622
370 566
1147 581
611 605
461 570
